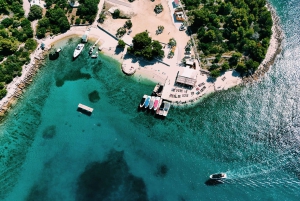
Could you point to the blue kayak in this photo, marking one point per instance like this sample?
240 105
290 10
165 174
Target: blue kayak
147 101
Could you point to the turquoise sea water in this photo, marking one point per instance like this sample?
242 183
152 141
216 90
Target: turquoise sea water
49 151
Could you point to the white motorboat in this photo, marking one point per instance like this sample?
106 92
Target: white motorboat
218 176
78 50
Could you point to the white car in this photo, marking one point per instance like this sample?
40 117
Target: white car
129 31
182 28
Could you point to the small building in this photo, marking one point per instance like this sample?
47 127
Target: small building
176 3
187 77
179 15
190 63
84 38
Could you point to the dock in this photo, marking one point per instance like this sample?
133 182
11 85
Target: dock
85 108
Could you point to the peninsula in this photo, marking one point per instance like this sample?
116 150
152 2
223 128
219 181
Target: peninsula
180 45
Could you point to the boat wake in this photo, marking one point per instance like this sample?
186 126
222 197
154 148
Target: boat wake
265 167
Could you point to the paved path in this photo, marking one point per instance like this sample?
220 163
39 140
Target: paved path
120 3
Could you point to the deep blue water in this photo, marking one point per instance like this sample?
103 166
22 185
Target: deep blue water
49 151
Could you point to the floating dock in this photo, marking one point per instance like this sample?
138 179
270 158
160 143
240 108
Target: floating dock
85 108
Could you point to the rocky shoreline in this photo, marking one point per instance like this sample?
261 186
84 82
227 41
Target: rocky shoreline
19 87
274 49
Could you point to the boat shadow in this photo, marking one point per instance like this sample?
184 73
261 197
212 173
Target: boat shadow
84 112
150 112
213 182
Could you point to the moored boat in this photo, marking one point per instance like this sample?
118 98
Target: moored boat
161 108
156 101
59 49
218 176
152 102
95 55
142 103
158 106
147 101
78 50
166 108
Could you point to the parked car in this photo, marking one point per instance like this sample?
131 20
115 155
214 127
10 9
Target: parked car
129 31
182 28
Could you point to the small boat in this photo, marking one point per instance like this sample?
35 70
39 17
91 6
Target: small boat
166 108
143 101
91 50
158 106
95 55
59 49
218 176
161 108
156 101
147 101
152 102
78 50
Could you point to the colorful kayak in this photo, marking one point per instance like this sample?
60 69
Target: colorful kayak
156 103
151 102
147 101
143 101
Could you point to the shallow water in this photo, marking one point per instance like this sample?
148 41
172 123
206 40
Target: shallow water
49 151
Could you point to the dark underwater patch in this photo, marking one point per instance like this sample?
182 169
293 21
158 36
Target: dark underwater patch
94 96
162 170
49 132
37 193
110 180
72 76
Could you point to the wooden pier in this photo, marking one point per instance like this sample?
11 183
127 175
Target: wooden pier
85 108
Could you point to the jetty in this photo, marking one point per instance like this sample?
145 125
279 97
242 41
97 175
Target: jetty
85 109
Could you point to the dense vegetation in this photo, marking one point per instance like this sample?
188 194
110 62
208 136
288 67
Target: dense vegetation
143 46
14 30
88 9
36 12
54 22
236 33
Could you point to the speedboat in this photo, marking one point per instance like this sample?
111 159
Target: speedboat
95 55
161 108
59 49
143 101
218 176
166 108
78 50
152 102
158 106
147 101
156 101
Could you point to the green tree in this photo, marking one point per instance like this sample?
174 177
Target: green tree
225 66
3 93
3 7
36 12
44 22
157 49
30 44
77 21
102 17
116 14
235 58
240 67
141 40
41 31
7 22
215 73
128 24
121 43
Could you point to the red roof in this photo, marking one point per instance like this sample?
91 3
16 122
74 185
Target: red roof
176 2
